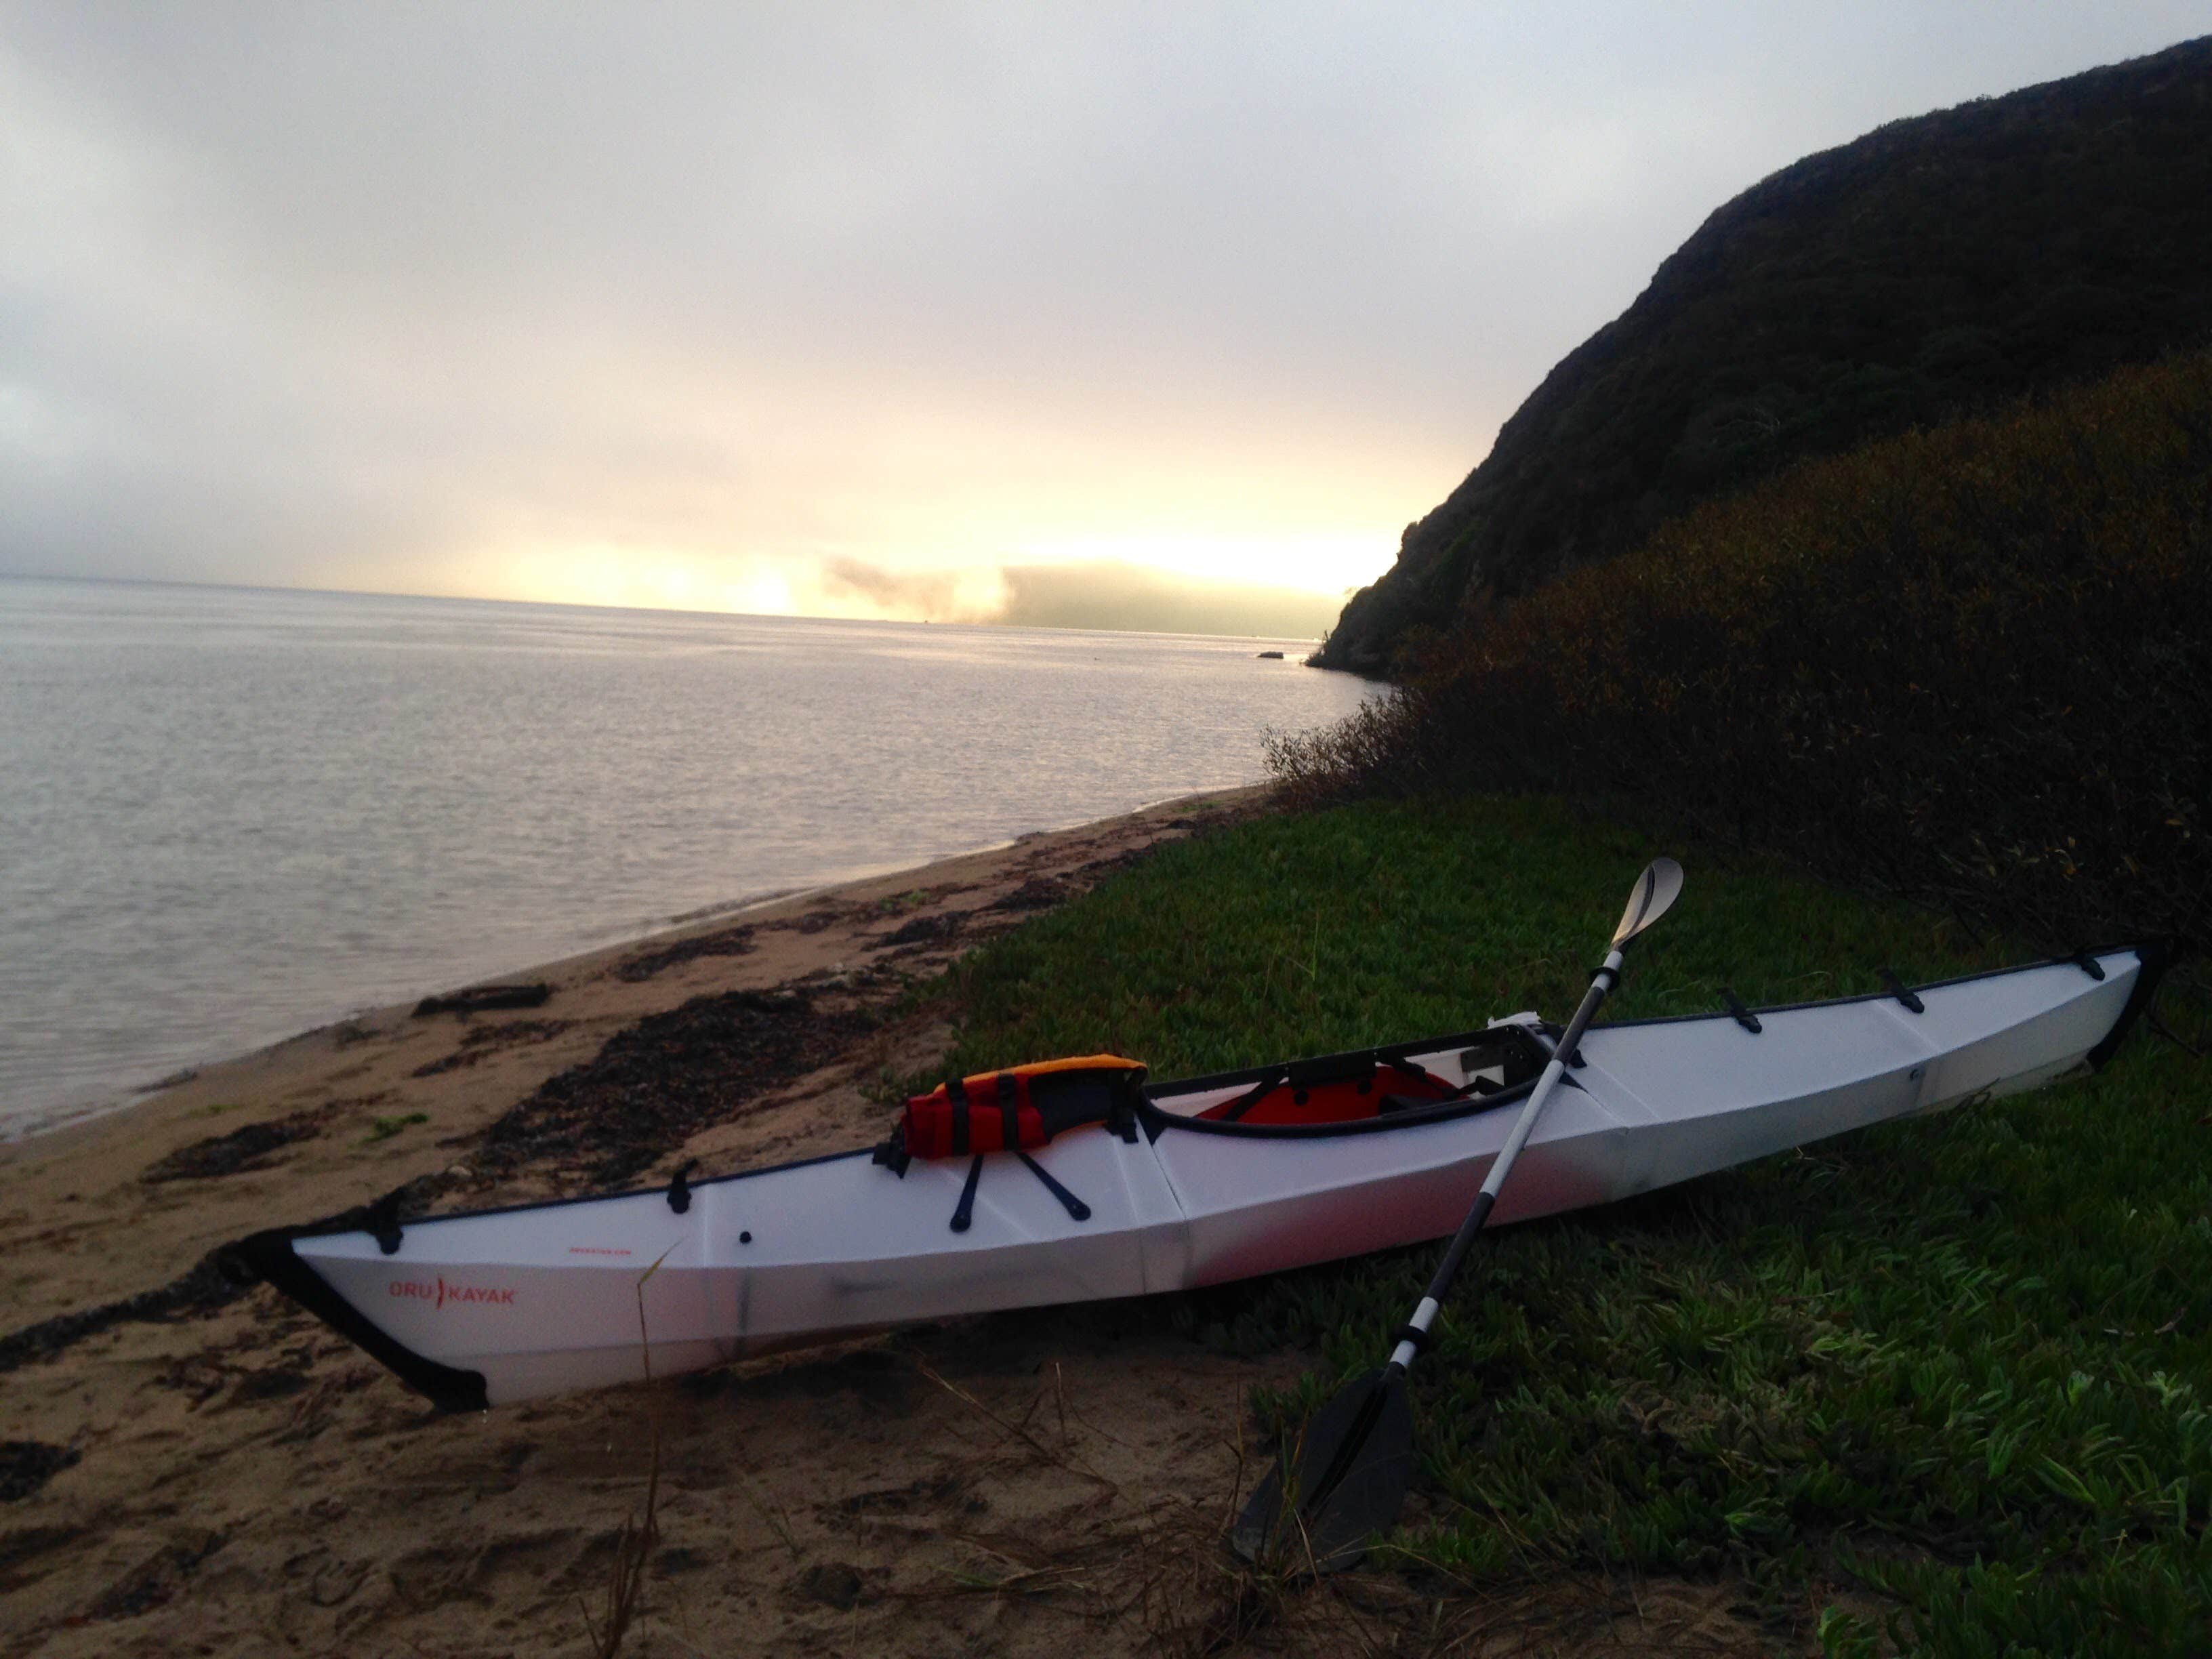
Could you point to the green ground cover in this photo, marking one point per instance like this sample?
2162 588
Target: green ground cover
1963 1363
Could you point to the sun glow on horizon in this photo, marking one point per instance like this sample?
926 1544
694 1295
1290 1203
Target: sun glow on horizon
632 578
666 577
1314 562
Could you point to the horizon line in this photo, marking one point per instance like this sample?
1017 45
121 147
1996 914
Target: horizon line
640 610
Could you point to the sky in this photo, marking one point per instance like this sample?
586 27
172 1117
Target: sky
1023 312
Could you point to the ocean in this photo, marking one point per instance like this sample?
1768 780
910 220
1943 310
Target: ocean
227 815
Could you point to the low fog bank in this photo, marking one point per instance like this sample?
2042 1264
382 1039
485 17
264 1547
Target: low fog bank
1103 593
1131 598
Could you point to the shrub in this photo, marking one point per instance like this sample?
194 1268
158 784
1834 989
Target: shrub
1972 666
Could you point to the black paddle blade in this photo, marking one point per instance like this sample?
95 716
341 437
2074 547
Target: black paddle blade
1353 1467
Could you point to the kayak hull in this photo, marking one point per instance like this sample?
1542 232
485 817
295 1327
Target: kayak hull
503 1305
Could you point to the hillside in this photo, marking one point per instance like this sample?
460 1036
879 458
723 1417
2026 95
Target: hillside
1936 266
1970 665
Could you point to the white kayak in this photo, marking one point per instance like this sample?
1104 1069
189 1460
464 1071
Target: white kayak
1202 1181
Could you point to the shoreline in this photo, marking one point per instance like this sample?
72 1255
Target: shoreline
340 1114
124 1098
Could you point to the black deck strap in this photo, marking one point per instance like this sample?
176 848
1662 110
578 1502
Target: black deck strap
957 1093
1405 1062
892 1153
1253 1096
1009 1112
1896 988
680 1186
1390 1104
1074 1206
1121 1117
1414 1334
382 1222
2086 960
1742 1015
966 1210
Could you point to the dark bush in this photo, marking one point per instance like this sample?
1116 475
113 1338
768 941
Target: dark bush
1973 666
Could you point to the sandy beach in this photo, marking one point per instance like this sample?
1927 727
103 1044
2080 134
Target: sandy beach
192 1469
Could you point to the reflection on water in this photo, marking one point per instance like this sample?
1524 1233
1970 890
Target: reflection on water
228 814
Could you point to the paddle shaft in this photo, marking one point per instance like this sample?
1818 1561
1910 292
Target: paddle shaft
1409 1348
1346 1481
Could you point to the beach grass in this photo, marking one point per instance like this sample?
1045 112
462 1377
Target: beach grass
1942 1387
383 1128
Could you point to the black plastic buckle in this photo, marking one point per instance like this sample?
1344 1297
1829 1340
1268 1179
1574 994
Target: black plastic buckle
891 1154
680 1186
1121 1119
1553 1033
382 1222
1896 988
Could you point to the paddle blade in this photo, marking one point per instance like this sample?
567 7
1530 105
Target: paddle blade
1348 1475
1657 888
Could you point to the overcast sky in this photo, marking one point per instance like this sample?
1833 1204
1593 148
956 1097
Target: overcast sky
845 309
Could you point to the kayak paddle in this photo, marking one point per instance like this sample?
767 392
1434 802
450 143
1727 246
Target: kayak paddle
1355 1457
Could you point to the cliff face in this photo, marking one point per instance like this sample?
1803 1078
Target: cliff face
1932 268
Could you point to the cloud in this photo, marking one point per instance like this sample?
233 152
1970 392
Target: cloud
814 304
853 586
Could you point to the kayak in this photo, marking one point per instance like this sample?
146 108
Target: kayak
1169 1187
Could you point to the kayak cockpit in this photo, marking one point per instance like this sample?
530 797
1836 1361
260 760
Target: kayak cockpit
1440 1076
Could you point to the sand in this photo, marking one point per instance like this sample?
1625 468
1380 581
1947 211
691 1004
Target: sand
192 1469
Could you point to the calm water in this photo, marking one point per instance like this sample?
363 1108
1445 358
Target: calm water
227 815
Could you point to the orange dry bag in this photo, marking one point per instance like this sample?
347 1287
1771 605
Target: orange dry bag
1011 1111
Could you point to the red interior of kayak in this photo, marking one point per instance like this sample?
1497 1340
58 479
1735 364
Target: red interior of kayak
1345 1102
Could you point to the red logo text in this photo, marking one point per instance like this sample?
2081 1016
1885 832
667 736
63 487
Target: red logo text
440 1293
